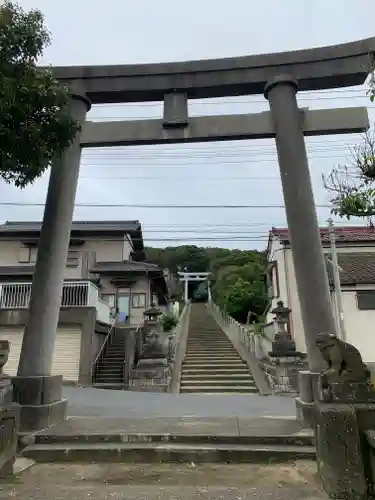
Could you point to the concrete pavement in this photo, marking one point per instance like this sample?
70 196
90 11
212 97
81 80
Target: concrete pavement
126 404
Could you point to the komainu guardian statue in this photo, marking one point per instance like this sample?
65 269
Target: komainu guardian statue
344 361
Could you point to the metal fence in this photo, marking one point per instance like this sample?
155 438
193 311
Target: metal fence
74 294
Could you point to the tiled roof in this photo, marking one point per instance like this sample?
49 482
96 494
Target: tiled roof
348 234
132 227
126 265
357 268
35 226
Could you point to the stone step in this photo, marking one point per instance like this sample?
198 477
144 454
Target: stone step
114 357
214 365
212 355
166 452
109 371
212 359
104 385
302 438
213 382
219 371
213 336
218 389
215 376
209 343
110 362
107 379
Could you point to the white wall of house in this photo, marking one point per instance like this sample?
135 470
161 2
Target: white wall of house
107 250
15 253
359 323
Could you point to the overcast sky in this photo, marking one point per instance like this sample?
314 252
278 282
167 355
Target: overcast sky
118 32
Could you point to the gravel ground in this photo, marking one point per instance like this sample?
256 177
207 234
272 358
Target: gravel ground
165 482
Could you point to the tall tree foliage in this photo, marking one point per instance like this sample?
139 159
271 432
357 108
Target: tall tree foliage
34 123
237 277
352 185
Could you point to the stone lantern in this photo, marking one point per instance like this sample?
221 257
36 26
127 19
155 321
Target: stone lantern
286 360
151 317
152 372
283 345
153 349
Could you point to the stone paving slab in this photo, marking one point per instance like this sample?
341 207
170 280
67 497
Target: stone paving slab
230 426
296 481
110 403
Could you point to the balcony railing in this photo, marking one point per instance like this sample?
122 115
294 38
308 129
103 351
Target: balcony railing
74 294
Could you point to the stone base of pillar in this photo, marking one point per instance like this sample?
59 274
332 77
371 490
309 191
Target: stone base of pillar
308 389
41 402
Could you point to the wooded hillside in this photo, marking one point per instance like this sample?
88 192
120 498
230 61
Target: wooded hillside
238 276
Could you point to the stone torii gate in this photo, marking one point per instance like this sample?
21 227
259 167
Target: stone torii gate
187 276
279 77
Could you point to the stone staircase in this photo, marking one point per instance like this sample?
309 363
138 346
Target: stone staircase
178 439
212 364
109 370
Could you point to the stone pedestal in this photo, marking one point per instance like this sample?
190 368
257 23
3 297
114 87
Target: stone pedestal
9 426
286 368
41 401
342 416
342 457
150 375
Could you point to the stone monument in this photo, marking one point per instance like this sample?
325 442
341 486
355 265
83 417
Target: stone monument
9 416
152 372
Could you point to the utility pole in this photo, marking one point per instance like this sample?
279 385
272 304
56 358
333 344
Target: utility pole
336 281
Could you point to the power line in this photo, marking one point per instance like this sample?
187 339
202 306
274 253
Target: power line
181 179
215 147
174 165
303 96
120 205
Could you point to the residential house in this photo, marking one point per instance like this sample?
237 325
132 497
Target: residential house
106 278
356 256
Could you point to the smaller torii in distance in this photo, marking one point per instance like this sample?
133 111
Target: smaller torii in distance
187 276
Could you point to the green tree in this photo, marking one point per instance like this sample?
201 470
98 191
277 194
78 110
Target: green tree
352 185
237 278
35 126
241 289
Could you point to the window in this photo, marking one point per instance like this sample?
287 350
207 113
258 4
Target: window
366 300
272 281
138 300
73 258
110 298
25 254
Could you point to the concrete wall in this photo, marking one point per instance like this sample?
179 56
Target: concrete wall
83 319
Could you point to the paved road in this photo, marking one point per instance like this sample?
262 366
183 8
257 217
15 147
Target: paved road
109 403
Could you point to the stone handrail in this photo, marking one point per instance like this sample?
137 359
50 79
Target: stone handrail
177 348
246 342
237 332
